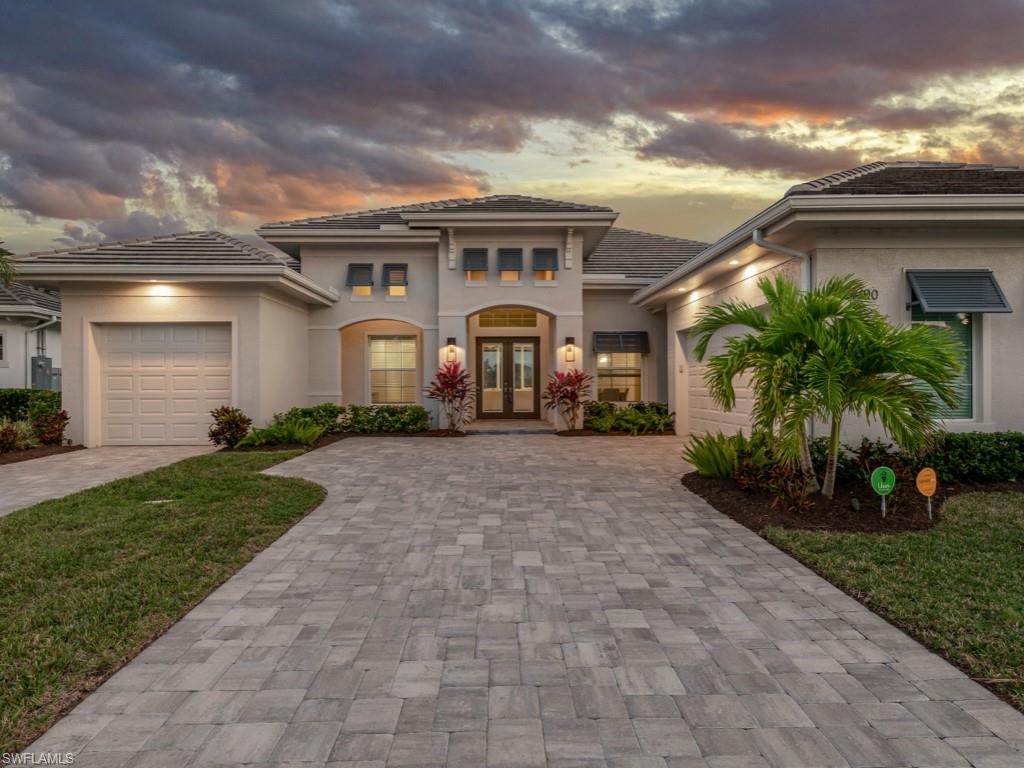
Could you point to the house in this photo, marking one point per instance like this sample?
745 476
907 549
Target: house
939 243
363 307
29 337
356 308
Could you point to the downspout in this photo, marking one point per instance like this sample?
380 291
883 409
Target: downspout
805 258
28 349
805 273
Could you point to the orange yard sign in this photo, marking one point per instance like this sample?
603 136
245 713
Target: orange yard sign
927 481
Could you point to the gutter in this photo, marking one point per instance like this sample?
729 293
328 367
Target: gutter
28 350
805 258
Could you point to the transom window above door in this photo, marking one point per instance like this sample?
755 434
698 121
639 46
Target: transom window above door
510 317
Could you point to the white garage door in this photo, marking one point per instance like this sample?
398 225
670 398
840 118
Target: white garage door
703 415
160 382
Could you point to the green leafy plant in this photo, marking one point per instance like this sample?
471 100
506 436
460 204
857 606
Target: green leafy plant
283 432
330 417
599 416
971 457
16 435
374 419
49 427
19 404
712 455
452 387
230 426
6 267
566 391
826 353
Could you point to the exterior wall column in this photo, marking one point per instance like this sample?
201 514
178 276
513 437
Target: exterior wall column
563 326
429 363
324 370
449 326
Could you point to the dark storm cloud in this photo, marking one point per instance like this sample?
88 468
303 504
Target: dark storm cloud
268 109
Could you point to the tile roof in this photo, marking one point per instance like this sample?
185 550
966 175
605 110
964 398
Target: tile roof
373 219
640 254
189 248
918 177
21 295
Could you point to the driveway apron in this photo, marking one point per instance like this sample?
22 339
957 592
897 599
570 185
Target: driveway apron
530 601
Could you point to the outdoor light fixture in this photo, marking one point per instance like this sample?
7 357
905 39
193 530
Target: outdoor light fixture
451 349
570 349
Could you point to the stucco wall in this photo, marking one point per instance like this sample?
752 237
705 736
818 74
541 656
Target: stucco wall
284 351
87 304
610 310
696 413
881 256
12 367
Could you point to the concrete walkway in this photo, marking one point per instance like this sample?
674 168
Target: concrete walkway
29 482
518 601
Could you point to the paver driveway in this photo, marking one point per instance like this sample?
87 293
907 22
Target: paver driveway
530 601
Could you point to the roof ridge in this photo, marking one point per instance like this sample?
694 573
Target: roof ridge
656 234
839 176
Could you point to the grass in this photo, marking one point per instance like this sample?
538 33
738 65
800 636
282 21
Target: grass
90 579
958 588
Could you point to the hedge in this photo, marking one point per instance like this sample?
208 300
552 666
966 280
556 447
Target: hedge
22 404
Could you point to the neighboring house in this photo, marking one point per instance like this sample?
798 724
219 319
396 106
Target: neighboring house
363 307
939 243
359 308
29 337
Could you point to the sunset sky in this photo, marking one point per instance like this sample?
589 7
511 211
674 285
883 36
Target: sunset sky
125 119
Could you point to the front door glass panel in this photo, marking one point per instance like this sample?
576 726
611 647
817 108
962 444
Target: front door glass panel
491 375
522 379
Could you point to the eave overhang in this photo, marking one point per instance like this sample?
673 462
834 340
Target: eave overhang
271 275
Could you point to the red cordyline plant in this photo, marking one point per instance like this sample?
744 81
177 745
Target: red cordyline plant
453 389
566 392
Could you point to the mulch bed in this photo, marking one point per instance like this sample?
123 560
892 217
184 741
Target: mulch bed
13 457
616 433
906 509
330 439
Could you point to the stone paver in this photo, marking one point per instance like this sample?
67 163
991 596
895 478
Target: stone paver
28 482
530 601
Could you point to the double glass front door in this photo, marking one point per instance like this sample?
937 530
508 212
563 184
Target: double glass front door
508 378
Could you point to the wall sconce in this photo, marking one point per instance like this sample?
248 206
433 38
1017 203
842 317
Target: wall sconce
451 349
570 349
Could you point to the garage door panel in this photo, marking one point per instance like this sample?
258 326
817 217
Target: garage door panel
703 415
159 382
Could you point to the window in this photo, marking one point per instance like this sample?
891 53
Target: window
963 325
3 350
545 264
619 376
392 370
508 318
510 264
396 279
360 280
474 263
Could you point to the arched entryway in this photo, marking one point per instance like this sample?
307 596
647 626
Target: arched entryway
510 355
382 363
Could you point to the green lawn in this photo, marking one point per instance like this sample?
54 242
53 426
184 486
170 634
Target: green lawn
958 588
89 580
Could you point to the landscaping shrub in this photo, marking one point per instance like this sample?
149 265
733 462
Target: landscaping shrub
21 404
328 416
369 419
452 387
283 432
229 426
16 435
636 418
49 427
972 457
713 455
566 391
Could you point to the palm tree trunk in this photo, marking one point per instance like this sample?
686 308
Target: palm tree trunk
828 488
807 465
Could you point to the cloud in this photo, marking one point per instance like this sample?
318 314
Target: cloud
135 225
745 148
226 115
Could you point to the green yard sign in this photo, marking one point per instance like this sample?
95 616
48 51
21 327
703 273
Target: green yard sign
883 480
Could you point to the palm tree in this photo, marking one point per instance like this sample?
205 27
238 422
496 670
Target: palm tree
794 356
6 266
